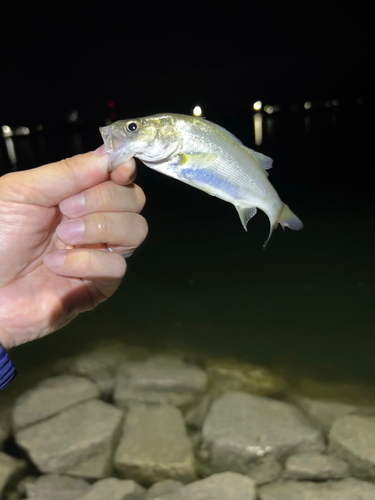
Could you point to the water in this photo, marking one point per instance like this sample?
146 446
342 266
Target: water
303 307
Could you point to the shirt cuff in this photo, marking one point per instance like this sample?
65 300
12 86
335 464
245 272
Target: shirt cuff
7 369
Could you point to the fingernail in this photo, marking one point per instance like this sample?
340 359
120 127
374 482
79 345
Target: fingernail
73 205
100 151
71 230
55 259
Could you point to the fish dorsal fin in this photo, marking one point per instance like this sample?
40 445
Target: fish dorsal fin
232 136
245 213
263 160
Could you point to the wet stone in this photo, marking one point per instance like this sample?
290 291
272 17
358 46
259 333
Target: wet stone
74 437
154 446
114 489
315 467
194 417
163 488
224 486
50 397
346 489
323 413
240 428
56 487
177 384
265 471
231 375
352 438
11 470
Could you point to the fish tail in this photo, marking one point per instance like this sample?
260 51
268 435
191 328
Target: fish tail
286 219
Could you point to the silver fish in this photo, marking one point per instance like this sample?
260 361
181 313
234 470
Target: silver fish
203 155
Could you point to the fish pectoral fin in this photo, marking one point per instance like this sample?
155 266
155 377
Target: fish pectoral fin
245 213
192 160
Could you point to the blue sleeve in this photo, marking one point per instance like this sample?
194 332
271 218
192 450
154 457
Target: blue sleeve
7 369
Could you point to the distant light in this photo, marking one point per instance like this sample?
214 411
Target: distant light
258 128
257 105
7 131
335 102
22 131
276 108
197 111
307 105
73 115
107 121
329 104
269 109
39 127
110 104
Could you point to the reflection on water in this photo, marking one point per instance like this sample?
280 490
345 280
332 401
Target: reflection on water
9 144
258 128
304 306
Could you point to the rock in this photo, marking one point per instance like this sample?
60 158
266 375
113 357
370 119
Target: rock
315 467
224 486
231 375
99 365
163 488
352 438
114 489
155 446
194 417
11 470
50 397
322 413
264 471
241 427
178 385
21 485
74 437
165 360
56 487
346 489
5 425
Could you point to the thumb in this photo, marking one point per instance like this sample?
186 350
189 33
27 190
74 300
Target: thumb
50 184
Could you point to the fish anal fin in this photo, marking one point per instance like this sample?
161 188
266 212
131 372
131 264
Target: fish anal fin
245 213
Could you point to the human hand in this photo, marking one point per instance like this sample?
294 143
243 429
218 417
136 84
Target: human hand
55 222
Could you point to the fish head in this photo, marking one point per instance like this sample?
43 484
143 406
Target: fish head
152 139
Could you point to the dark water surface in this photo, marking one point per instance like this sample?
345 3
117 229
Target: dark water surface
304 306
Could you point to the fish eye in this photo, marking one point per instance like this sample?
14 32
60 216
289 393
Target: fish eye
131 127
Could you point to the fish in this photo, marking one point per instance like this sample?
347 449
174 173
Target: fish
204 155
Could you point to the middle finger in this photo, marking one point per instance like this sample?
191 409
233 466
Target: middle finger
105 197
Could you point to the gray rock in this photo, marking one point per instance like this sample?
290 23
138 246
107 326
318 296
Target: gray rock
194 417
165 360
98 364
241 428
163 488
21 485
73 437
231 375
155 446
114 489
346 489
323 412
11 470
5 425
224 486
352 438
315 467
177 384
56 487
264 471
50 397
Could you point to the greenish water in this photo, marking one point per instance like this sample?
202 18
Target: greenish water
303 307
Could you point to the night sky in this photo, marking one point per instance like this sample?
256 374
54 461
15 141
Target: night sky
152 57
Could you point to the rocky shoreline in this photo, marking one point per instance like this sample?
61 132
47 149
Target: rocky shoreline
113 426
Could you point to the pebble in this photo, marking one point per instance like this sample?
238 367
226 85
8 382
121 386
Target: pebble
11 469
241 428
162 488
352 438
5 425
155 446
50 397
265 470
346 489
79 436
56 487
114 489
315 467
